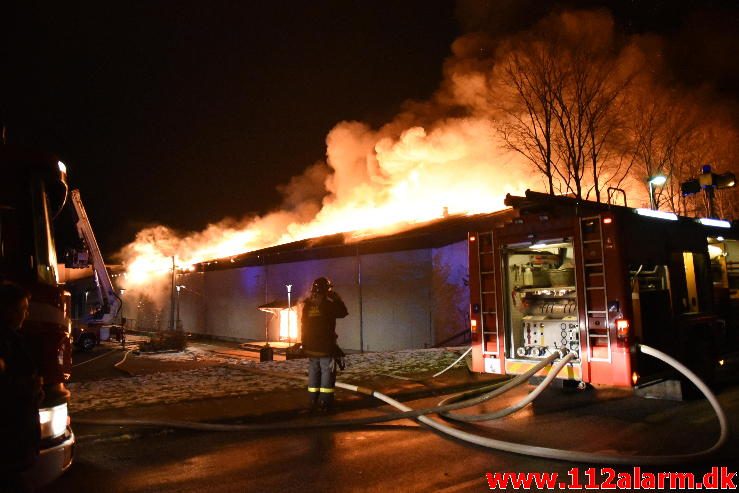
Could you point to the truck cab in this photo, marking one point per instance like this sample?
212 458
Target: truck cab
32 191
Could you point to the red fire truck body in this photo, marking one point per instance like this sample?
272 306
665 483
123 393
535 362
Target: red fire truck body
594 279
32 190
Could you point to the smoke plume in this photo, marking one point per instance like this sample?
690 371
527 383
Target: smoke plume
444 154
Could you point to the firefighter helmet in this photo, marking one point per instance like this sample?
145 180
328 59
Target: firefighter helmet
321 286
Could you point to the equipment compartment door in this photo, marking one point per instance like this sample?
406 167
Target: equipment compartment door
541 306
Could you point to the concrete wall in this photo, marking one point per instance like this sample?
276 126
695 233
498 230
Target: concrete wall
396 300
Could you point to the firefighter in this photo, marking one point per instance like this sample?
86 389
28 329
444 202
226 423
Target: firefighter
20 431
318 327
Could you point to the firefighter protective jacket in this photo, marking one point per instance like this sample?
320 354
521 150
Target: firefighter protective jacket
319 323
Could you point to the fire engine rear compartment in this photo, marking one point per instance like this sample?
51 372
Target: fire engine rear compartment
542 301
530 310
546 307
596 279
529 306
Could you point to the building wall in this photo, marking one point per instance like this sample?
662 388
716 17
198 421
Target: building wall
192 302
396 309
341 271
450 292
396 300
231 298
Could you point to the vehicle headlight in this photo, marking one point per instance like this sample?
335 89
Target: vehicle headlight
53 421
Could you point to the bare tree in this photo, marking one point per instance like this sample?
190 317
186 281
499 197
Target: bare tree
673 134
528 79
580 106
564 92
656 136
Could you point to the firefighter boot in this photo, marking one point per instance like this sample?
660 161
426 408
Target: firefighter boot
313 404
326 402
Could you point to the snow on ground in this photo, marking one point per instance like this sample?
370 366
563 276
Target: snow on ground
230 376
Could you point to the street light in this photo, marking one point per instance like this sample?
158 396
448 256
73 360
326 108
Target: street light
289 310
85 309
178 323
709 182
657 180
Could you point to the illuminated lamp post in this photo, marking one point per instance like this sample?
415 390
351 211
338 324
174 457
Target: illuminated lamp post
122 330
173 297
289 312
86 310
178 323
656 180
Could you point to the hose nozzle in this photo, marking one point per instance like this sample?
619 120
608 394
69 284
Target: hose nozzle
563 351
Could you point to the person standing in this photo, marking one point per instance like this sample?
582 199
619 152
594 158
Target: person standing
20 430
318 329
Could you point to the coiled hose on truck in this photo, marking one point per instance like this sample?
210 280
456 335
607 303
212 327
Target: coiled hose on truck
491 443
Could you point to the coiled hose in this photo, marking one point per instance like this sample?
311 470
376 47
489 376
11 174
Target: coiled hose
491 443
511 409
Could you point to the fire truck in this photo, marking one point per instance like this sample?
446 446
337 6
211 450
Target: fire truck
567 275
106 322
32 191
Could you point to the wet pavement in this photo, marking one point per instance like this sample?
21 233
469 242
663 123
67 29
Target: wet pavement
251 406
397 456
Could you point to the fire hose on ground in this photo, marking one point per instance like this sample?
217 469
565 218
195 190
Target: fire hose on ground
511 409
454 403
134 347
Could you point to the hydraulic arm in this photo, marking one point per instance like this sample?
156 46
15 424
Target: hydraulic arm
110 302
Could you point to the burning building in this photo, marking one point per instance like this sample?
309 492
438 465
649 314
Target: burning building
403 290
460 152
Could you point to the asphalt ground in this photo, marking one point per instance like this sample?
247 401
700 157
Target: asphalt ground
110 361
401 455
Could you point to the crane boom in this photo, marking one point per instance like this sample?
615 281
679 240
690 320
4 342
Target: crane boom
111 303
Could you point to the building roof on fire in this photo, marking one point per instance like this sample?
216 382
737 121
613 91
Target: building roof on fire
431 234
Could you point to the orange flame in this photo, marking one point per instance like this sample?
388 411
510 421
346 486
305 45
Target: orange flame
377 182
418 167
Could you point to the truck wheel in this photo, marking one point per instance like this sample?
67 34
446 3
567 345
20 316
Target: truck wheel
87 342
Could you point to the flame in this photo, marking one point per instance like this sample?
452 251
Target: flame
288 324
418 167
375 183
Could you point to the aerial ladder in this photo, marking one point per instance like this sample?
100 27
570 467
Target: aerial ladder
99 325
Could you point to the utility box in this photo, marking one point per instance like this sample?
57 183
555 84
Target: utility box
266 353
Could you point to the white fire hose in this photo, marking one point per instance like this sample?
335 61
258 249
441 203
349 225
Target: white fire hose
551 375
452 365
491 443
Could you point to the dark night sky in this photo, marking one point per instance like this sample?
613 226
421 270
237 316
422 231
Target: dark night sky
185 112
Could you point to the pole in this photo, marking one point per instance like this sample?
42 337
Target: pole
177 324
652 205
172 300
711 206
359 288
289 312
267 319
